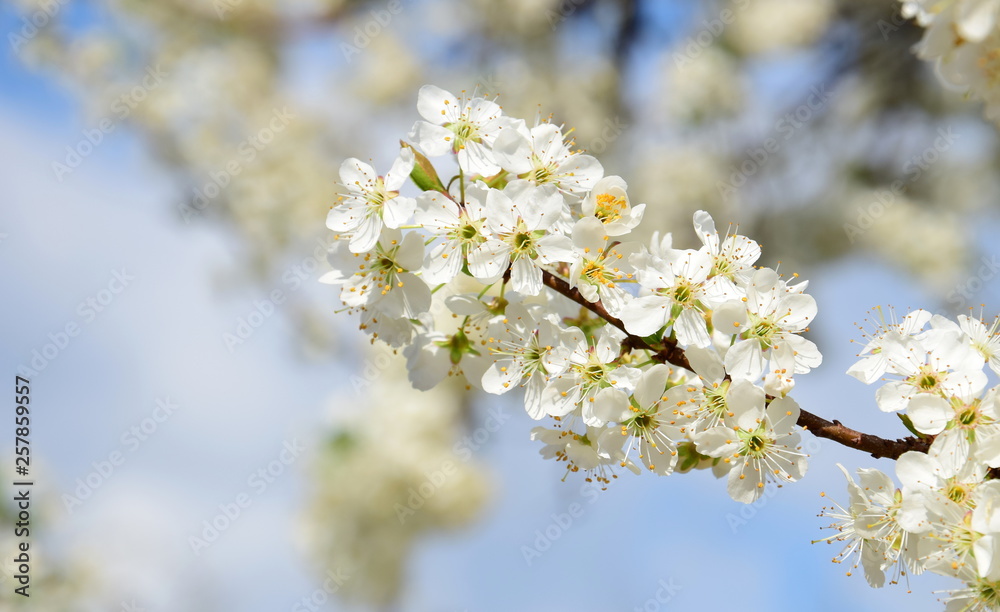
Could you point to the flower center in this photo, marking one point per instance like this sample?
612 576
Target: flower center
683 293
755 443
715 400
763 329
542 173
609 208
375 195
989 63
968 417
469 233
957 493
465 131
594 372
595 272
988 592
645 422
926 380
722 267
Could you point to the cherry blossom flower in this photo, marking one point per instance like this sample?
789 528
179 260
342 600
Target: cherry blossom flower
527 353
873 363
600 265
769 324
383 279
941 362
459 230
679 289
372 202
540 156
593 382
761 447
467 127
608 201
518 221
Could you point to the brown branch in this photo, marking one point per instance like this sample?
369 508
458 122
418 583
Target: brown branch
667 351
876 446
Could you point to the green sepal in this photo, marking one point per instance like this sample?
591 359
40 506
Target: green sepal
688 458
341 442
424 175
498 181
457 345
909 425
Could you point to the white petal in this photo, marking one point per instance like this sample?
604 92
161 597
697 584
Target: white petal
745 360
433 140
367 235
691 329
650 388
397 211
929 413
501 377
525 277
489 261
436 105
646 315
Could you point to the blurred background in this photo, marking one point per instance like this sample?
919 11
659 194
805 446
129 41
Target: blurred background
209 434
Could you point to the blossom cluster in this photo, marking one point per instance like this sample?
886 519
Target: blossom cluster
946 516
520 272
963 41
367 507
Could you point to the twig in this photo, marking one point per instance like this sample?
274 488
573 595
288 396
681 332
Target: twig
667 351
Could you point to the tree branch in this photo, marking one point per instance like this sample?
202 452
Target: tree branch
667 351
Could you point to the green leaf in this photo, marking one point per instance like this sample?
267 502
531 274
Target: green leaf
688 458
424 174
342 441
909 425
655 338
498 181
